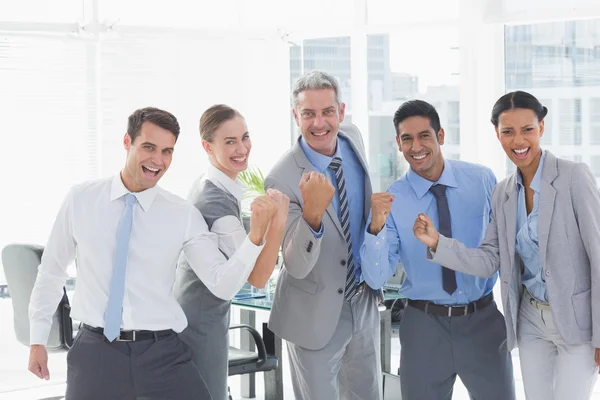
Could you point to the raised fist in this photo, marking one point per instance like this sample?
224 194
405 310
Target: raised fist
317 193
425 231
263 209
381 205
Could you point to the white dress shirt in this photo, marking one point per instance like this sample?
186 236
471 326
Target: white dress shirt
229 229
163 226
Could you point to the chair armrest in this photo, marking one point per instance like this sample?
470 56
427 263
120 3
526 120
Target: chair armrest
258 340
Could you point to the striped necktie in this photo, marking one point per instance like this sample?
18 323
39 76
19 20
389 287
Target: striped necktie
336 166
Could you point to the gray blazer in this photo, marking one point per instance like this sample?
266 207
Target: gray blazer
569 235
309 294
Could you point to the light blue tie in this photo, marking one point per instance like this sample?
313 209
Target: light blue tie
114 307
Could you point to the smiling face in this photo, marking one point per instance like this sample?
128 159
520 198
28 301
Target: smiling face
149 156
230 147
421 148
519 133
319 116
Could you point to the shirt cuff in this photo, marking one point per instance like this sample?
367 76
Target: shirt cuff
248 251
317 235
39 332
375 241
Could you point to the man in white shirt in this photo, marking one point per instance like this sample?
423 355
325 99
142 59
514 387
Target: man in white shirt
126 234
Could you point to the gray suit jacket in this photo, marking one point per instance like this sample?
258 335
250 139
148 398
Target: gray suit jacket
309 294
569 239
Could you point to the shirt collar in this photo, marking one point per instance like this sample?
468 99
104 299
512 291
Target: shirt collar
421 185
145 197
318 160
535 182
224 182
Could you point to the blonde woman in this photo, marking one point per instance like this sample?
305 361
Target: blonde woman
217 194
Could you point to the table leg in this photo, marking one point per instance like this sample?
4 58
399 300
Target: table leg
248 386
385 317
273 379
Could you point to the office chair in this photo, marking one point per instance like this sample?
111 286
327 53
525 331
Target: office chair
21 263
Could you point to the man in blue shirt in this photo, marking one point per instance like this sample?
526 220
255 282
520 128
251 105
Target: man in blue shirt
324 307
451 325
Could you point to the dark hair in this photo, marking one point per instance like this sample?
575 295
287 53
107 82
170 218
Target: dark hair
156 116
417 108
518 99
213 118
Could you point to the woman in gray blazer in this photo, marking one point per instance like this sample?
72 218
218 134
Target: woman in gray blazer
544 236
218 195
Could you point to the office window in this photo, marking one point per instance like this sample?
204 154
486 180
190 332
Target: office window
595 166
399 12
570 121
452 125
561 67
49 133
395 77
547 138
331 55
595 121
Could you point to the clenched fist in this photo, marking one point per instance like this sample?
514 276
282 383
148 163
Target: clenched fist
263 209
317 193
381 205
425 231
282 202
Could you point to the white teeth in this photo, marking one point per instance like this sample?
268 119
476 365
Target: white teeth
521 151
320 134
239 159
420 157
151 169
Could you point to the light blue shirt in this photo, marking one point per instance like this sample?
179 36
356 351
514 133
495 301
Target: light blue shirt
354 175
527 243
469 192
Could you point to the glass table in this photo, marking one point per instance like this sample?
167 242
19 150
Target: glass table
273 380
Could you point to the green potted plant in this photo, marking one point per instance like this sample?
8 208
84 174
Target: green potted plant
253 181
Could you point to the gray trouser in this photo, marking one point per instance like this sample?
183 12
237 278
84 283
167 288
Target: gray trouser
208 336
434 349
207 330
552 369
349 366
142 370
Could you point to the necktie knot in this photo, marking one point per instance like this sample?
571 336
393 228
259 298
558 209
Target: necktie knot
335 164
438 190
130 199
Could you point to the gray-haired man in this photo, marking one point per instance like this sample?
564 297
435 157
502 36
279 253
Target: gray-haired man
323 306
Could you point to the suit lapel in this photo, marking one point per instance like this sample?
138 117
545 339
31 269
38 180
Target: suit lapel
546 202
510 218
305 166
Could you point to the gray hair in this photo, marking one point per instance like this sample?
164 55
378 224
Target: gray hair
315 80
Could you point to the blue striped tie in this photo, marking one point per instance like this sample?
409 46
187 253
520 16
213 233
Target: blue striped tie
335 165
114 307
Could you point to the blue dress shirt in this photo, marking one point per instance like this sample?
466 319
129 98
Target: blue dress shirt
469 191
527 243
354 174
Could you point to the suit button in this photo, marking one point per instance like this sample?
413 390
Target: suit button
340 291
547 273
343 262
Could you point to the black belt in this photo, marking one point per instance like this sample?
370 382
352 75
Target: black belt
133 336
452 311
